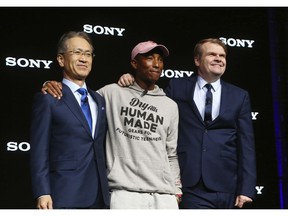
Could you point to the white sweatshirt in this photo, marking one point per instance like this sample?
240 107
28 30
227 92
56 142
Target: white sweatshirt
141 140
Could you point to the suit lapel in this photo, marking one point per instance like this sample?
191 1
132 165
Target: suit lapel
223 103
190 93
71 102
101 110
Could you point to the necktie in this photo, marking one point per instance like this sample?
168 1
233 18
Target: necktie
208 104
85 106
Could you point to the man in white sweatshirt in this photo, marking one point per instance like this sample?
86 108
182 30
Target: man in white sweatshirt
142 163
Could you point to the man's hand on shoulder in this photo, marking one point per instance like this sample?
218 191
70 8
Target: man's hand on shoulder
52 87
126 80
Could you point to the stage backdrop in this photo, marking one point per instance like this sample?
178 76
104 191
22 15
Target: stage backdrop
28 58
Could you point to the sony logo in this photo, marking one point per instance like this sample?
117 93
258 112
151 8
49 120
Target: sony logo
103 30
32 63
259 189
232 42
15 146
169 73
254 115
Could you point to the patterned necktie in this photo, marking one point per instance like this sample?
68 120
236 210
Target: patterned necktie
208 104
85 106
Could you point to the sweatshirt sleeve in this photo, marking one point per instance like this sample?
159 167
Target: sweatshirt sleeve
171 148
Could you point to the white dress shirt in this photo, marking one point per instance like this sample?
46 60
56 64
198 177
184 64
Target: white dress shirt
200 96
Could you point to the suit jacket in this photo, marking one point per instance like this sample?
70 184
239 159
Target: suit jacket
66 161
222 153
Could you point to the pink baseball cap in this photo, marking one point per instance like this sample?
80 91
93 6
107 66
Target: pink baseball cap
147 46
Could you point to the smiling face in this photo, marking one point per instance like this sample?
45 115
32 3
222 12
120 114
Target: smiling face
211 62
75 63
148 68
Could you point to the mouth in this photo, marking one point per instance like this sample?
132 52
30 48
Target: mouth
217 65
82 66
157 72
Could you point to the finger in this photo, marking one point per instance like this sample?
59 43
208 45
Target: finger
42 206
124 81
127 82
127 79
240 205
50 88
50 205
244 201
120 82
59 89
59 84
237 201
44 90
53 89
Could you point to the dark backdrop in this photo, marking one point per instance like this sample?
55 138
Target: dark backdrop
28 42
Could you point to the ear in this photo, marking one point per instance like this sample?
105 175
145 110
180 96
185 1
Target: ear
197 61
60 60
134 64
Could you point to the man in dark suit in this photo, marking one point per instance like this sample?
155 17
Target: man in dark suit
217 157
67 154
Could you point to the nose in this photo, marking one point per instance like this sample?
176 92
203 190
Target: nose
156 63
83 57
218 57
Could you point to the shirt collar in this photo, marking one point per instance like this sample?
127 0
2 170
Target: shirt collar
74 87
201 83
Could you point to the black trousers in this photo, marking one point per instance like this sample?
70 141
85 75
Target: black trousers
200 197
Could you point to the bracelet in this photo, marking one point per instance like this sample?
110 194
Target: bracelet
44 84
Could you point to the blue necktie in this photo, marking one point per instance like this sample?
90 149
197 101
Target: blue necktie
85 106
208 104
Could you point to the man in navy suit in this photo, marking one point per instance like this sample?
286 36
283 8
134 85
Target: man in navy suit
67 156
217 159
